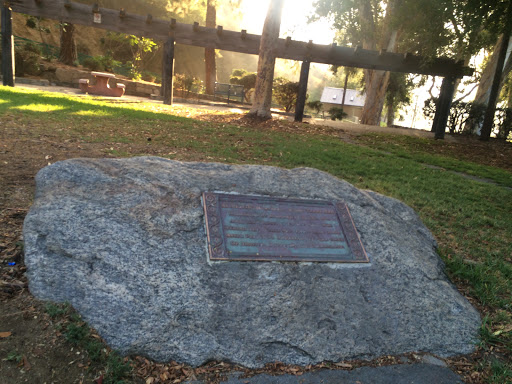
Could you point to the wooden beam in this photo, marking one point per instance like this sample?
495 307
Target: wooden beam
303 89
168 71
231 41
443 107
7 47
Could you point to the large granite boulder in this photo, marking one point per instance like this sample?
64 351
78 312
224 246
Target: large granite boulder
124 242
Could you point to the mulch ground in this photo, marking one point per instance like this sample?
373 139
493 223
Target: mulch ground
32 349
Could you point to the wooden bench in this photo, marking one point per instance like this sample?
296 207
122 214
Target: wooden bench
102 87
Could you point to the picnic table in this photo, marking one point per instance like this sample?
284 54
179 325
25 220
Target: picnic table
102 87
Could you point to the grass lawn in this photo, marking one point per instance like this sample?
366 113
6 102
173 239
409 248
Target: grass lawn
471 219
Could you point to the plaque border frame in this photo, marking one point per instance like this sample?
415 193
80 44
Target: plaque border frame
217 250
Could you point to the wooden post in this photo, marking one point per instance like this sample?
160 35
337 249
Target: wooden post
303 89
7 47
443 106
168 71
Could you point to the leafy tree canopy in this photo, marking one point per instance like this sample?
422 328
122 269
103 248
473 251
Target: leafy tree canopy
427 27
285 93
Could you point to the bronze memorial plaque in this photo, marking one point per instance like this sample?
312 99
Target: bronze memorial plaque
259 228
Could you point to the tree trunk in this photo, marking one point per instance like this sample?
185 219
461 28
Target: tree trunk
390 113
68 54
484 87
209 53
344 90
367 22
377 81
375 97
493 96
266 63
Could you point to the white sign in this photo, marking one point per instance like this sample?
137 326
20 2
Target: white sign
97 18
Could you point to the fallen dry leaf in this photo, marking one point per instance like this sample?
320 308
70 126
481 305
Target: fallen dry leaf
26 364
5 334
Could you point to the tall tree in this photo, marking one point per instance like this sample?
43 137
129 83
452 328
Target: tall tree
68 54
267 60
494 93
398 94
209 53
425 27
370 24
484 86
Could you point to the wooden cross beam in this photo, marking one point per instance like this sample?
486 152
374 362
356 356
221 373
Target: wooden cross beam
157 29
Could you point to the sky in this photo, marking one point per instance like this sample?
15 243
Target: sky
293 22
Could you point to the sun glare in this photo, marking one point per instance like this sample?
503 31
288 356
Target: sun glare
293 23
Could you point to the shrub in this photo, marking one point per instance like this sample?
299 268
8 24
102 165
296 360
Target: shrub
468 117
93 64
247 79
315 105
337 113
31 46
148 76
28 59
186 82
285 93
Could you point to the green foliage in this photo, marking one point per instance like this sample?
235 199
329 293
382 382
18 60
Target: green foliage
14 357
399 91
101 63
133 71
337 113
244 78
427 27
93 64
34 22
32 47
506 91
339 74
467 114
285 93
116 369
186 82
56 310
28 59
133 51
500 372
148 76
315 105
76 333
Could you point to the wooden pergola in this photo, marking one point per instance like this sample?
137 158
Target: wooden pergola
193 34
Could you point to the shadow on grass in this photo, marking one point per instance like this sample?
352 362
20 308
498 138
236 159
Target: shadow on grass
50 105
